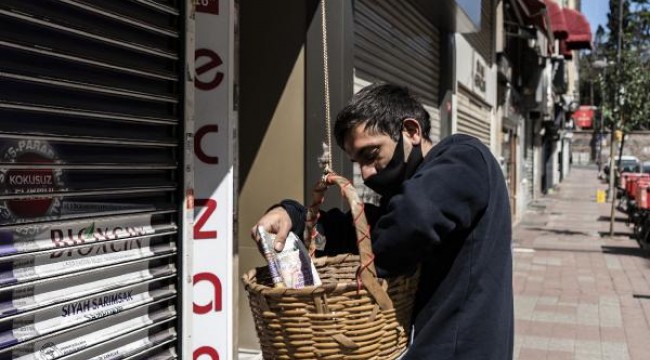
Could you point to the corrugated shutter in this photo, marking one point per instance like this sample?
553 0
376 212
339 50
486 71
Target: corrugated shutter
91 108
397 44
529 160
483 40
473 116
530 180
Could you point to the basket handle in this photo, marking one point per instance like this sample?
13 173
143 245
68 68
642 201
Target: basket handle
366 273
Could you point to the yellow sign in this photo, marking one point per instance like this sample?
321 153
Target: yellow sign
618 134
600 196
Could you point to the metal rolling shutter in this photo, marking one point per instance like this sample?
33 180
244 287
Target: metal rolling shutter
530 180
473 116
91 119
397 44
529 159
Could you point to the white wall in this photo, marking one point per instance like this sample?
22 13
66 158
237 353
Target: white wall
466 58
466 63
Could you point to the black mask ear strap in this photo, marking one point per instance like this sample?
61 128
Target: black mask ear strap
414 160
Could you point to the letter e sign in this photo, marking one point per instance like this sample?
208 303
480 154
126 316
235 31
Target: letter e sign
207 76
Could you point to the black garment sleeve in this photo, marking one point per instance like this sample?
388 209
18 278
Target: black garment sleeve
297 213
441 202
336 225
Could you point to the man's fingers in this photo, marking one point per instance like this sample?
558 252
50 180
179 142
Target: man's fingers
281 237
254 234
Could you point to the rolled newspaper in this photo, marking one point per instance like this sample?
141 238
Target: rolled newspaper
266 245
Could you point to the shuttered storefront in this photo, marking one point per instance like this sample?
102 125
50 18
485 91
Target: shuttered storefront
474 116
91 112
529 160
397 44
530 174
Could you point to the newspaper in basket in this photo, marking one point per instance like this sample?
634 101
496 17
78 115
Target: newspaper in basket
353 314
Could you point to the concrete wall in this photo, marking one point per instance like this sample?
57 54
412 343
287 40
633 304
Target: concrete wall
271 125
583 147
466 63
585 150
638 144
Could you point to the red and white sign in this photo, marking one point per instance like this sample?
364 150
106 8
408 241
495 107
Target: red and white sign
584 117
213 200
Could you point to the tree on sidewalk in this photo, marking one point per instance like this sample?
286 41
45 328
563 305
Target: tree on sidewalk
629 79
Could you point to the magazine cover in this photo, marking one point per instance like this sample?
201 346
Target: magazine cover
292 266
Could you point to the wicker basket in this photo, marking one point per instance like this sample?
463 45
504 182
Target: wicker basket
352 315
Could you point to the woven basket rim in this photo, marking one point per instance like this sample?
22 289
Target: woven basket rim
249 279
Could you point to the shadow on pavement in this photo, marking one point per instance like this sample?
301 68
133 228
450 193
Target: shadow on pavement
580 250
622 250
616 219
560 231
616 233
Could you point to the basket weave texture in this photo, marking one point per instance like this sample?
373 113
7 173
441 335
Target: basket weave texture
348 317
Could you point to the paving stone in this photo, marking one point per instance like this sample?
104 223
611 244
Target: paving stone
575 290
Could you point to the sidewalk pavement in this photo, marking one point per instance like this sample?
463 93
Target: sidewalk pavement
579 295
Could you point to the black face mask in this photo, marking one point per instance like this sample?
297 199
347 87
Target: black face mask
388 181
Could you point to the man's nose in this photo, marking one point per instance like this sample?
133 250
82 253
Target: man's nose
367 171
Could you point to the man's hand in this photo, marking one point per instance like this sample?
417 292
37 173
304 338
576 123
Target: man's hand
276 221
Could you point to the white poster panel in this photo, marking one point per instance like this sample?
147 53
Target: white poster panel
77 340
33 296
44 265
131 344
213 180
87 309
28 238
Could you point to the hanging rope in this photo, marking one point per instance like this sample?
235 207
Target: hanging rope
311 236
326 90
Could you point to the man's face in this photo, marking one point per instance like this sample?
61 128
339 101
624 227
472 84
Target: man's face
373 151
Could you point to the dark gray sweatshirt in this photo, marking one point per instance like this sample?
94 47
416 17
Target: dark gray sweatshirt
453 218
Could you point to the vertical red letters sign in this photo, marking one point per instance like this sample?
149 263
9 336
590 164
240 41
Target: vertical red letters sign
214 190
207 6
206 350
210 207
198 139
206 61
216 303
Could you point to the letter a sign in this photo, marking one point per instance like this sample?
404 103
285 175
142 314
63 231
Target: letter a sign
212 318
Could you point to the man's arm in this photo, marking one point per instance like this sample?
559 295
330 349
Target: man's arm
336 225
443 199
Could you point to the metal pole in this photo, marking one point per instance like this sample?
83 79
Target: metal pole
612 166
612 174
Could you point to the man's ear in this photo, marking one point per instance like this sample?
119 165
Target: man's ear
413 131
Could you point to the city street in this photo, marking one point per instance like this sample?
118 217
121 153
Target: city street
579 295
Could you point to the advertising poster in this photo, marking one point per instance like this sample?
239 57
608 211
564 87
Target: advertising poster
67 343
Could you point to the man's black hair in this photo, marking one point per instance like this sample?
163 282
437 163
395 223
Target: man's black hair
383 107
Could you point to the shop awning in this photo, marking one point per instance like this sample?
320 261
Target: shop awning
565 51
534 13
558 22
579 30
